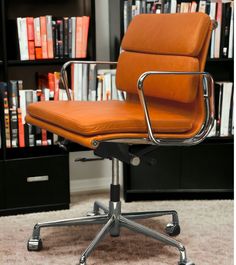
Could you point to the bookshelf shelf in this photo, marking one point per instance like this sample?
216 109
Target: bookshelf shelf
42 62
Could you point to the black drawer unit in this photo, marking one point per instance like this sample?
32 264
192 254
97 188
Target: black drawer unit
36 184
204 171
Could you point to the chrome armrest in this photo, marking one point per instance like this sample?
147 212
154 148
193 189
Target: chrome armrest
208 93
64 78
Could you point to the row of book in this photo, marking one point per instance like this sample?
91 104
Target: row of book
224 110
93 84
47 37
222 11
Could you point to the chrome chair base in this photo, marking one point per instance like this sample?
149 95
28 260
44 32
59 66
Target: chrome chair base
113 220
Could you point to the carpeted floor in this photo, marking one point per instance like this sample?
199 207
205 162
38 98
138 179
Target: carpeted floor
207 233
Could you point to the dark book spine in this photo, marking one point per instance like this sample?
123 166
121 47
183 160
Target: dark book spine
59 44
70 37
66 37
55 38
225 28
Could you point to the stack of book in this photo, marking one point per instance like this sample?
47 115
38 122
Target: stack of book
222 11
47 37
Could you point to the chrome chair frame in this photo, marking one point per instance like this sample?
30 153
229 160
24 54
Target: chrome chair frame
111 216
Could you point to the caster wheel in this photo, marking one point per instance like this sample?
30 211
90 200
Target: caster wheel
173 230
34 244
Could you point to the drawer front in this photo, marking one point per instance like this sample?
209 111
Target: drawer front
159 169
37 181
208 166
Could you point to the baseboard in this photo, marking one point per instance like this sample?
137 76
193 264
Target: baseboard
94 184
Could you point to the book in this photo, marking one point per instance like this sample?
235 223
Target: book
73 33
50 49
22 37
231 31
37 38
225 29
226 102
218 29
66 37
30 37
78 37
43 30
212 15
85 30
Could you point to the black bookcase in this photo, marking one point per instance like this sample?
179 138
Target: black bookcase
18 194
204 171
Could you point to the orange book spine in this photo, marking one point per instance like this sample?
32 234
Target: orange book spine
21 129
30 36
78 37
56 82
85 30
38 53
43 30
51 84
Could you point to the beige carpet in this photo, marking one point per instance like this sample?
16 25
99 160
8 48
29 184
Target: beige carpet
207 233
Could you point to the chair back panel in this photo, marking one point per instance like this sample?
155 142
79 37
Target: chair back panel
164 42
173 34
178 88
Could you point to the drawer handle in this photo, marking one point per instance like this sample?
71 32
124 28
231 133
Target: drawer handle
37 178
84 159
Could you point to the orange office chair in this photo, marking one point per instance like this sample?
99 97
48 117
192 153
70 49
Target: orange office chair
169 102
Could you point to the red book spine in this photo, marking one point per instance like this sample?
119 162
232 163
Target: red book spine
21 129
43 29
56 82
85 29
78 37
30 35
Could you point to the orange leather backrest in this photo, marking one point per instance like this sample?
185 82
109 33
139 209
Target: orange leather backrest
163 42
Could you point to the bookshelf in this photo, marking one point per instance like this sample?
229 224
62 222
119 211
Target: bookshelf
18 194
203 171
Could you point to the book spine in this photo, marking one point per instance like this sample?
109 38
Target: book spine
85 30
70 38
30 35
218 29
7 120
231 31
49 37
43 28
20 129
78 37
73 25
37 38
24 55
60 43
66 36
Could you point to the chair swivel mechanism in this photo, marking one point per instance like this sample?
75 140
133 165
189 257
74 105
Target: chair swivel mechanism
169 102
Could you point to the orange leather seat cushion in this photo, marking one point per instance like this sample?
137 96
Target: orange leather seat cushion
106 117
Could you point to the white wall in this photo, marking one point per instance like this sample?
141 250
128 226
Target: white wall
94 176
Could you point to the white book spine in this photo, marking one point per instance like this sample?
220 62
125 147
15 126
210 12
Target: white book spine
226 101
78 71
231 32
107 86
73 25
22 104
84 82
37 35
173 6
24 52
49 37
